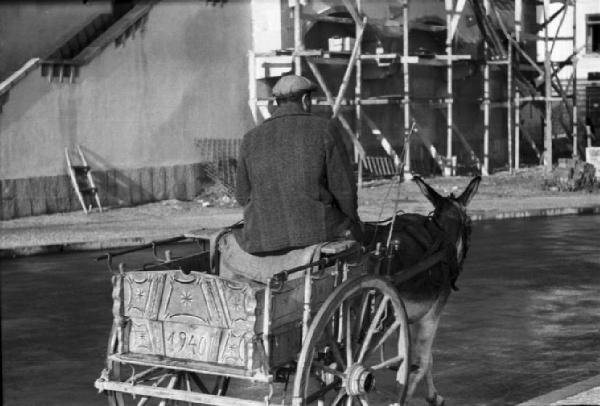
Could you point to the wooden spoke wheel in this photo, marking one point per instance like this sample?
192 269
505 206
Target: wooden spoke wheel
358 341
157 377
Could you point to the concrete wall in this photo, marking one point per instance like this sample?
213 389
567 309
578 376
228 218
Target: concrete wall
35 28
181 77
118 187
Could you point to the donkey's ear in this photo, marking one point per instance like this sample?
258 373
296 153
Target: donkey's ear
433 196
466 196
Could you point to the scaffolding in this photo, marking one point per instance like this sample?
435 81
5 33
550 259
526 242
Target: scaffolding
545 92
503 50
354 60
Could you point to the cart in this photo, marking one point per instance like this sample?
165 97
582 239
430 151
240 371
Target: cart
327 330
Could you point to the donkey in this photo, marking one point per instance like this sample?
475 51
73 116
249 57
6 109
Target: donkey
425 295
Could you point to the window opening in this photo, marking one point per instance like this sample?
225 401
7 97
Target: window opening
593 33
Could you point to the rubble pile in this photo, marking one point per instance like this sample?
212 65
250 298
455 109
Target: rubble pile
217 195
573 175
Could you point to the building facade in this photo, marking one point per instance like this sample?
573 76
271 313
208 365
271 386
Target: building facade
148 101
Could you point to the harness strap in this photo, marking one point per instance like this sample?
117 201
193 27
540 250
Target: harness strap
420 238
414 270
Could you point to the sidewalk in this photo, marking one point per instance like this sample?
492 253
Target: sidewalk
584 393
499 197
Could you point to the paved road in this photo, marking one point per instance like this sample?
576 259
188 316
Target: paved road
526 320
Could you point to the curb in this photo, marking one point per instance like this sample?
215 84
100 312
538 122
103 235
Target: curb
558 396
563 211
74 246
6 253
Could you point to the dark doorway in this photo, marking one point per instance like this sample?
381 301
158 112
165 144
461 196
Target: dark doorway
593 107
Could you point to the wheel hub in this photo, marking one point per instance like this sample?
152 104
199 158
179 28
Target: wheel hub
360 380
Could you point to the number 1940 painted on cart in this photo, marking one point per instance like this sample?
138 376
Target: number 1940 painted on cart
192 342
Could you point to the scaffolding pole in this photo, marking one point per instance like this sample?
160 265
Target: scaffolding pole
252 87
331 102
485 169
449 170
298 43
574 80
509 105
357 94
354 57
547 93
406 88
517 105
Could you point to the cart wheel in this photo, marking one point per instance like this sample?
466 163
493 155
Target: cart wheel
170 379
158 377
359 339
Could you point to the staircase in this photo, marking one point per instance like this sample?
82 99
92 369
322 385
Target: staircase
60 65
79 47
82 38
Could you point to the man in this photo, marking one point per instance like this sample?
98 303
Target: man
294 177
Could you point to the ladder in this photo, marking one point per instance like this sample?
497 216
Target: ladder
82 181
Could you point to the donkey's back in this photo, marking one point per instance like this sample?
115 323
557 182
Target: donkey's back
413 238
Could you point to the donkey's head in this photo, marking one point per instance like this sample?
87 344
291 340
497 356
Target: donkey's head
450 213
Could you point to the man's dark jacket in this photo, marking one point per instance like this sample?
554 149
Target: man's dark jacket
295 182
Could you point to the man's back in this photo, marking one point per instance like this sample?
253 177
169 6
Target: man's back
295 182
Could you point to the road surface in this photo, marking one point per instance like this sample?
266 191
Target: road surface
525 321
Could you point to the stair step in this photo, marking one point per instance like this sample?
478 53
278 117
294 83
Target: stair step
81 168
81 41
114 31
88 32
88 190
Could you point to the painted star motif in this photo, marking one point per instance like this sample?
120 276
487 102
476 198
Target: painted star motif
236 303
140 293
186 298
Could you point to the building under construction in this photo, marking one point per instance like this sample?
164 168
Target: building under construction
441 86
157 94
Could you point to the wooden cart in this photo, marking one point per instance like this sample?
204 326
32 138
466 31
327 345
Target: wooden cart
333 327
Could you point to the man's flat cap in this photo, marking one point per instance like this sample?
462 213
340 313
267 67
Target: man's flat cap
292 85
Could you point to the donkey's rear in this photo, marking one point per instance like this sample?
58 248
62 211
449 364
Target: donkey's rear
414 237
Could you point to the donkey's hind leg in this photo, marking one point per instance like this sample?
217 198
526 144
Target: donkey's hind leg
433 398
427 333
424 334
422 359
429 330
417 372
